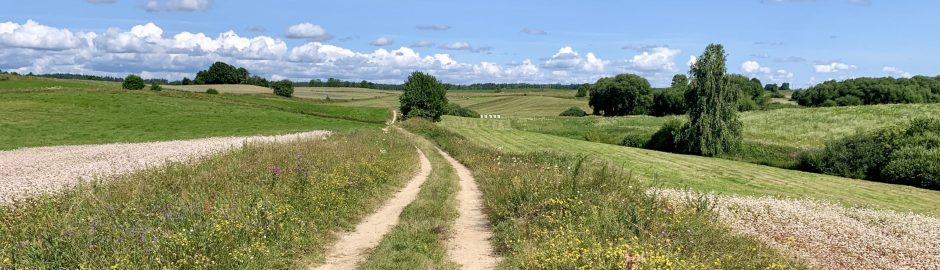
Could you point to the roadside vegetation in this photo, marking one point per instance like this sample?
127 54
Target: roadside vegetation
264 206
560 211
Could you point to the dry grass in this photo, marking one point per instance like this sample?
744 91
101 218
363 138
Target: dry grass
831 236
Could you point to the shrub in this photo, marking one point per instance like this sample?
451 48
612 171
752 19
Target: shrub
583 90
155 87
634 140
667 137
424 96
284 88
668 102
573 112
624 94
455 110
133 82
908 155
212 91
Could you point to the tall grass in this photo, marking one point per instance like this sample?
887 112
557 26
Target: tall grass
263 206
553 211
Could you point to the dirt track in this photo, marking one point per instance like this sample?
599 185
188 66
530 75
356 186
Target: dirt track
470 246
47 169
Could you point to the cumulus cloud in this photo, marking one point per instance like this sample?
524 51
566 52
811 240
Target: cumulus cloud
661 59
692 61
382 41
433 27
178 5
754 67
32 35
569 60
534 31
308 31
896 72
833 67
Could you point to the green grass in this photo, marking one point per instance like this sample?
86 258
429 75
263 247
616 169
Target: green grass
552 211
417 242
507 105
334 93
705 174
226 212
83 114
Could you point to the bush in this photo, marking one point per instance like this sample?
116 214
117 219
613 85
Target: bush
908 155
284 88
155 87
867 91
212 91
668 102
455 110
133 82
573 112
424 96
667 137
624 94
634 140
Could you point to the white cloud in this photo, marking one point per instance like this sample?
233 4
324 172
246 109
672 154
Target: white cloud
33 35
382 41
692 61
308 31
464 46
780 76
754 67
568 59
896 72
659 59
833 67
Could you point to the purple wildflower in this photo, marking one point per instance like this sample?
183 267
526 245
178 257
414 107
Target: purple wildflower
276 171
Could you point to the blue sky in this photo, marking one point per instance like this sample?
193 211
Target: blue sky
797 41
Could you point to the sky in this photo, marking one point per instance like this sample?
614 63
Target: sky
802 42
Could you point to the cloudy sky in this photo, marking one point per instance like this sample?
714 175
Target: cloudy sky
539 41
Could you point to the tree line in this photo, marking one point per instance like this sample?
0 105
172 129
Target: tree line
869 91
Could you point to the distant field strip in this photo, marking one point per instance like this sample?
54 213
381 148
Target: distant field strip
334 93
706 174
46 169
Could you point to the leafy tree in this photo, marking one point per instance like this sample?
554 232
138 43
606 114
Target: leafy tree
133 82
284 88
624 94
315 83
756 81
771 87
583 90
259 81
424 96
680 81
713 127
785 86
918 89
221 73
186 81
669 102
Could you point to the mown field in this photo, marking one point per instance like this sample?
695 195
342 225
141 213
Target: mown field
509 103
704 174
332 93
45 112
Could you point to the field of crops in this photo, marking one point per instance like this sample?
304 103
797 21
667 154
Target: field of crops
705 174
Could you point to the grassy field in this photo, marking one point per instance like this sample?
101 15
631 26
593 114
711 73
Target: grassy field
507 105
418 241
334 93
231 211
797 128
44 112
552 211
705 174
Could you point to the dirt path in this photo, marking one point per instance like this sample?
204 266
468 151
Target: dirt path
46 169
470 246
352 248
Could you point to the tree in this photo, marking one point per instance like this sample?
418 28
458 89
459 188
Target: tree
187 81
222 73
315 83
133 82
284 88
583 90
680 81
785 86
771 87
713 127
424 96
624 94
668 102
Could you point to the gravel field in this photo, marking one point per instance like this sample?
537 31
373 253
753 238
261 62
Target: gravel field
47 169
831 236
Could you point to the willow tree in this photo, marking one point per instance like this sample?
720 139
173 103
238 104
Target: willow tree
713 127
